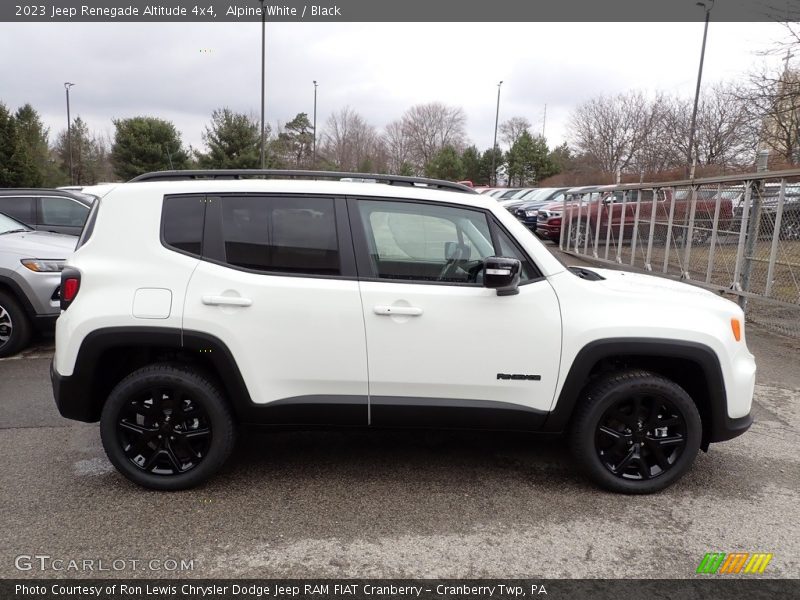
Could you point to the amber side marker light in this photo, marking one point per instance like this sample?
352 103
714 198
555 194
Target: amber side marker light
736 327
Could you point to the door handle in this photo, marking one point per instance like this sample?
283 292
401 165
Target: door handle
410 311
226 301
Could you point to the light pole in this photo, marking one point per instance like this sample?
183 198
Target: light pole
314 159
263 71
494 145
690 156
68 85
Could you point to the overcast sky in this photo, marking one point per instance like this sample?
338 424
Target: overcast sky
128 69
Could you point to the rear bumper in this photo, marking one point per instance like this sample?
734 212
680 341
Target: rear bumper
71 397
726 428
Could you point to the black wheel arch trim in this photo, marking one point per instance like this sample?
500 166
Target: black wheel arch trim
722 427
19 295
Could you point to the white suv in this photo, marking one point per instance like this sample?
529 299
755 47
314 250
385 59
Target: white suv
198 301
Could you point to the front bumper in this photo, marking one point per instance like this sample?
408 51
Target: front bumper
726 428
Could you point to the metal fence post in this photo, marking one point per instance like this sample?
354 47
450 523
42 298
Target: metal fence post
635 234
687 240
773 253
669 230
753 229
622 223
712 249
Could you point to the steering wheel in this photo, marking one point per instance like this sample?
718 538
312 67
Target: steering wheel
451 264
448 269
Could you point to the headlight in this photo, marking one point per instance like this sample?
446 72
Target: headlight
44 265
531 213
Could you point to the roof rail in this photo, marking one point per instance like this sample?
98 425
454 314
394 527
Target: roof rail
291 174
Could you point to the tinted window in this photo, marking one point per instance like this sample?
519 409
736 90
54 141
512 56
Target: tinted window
411 241
182 222
19 208
508 249
63 212
287 235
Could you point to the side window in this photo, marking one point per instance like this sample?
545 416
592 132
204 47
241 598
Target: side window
19 208
425 242
508 249
63 212
285 235
182 223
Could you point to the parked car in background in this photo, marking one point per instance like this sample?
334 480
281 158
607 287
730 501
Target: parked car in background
30 279
789 228
587 207
526 209
56 211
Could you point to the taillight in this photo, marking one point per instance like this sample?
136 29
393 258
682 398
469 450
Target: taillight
70 285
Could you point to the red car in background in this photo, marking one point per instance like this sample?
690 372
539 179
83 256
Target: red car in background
587 207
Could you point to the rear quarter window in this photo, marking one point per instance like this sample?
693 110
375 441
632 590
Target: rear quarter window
182 220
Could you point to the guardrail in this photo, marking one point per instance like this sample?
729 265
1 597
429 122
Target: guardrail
736 234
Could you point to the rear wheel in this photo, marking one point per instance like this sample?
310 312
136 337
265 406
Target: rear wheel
15 329
636 432
167 427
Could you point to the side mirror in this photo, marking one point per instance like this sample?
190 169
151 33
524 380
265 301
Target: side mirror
502 274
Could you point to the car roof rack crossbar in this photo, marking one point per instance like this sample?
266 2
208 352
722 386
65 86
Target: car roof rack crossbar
300 174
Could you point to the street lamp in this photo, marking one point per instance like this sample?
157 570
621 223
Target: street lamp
314 160
68 85
691 158
494 145
263 71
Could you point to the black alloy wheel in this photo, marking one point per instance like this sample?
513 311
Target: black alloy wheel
641 437
635 432
167 427
164 431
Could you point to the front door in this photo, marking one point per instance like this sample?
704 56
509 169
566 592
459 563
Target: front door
444 350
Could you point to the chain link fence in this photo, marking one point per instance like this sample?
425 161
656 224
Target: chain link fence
738 235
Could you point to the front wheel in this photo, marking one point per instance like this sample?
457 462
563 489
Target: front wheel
15 329
636 432
578 234
166 427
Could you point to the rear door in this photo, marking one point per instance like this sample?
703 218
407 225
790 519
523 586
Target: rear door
277 285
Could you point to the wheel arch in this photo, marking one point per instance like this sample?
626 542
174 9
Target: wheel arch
108 355
693 366
11 287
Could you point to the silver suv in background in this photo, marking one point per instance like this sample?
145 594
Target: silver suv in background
57 211
30 280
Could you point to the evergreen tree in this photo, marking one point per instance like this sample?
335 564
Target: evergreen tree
144 144
233 142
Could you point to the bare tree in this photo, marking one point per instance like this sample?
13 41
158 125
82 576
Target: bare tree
349 141
397 147
430 127
608 130
514 127
773 103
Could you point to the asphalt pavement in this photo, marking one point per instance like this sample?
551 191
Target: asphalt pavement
392 504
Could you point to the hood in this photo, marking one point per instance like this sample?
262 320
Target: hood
630 284
38 244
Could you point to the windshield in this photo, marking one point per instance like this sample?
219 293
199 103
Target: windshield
7 224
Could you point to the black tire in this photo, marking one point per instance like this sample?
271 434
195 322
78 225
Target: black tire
636 432
167 427
15 328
